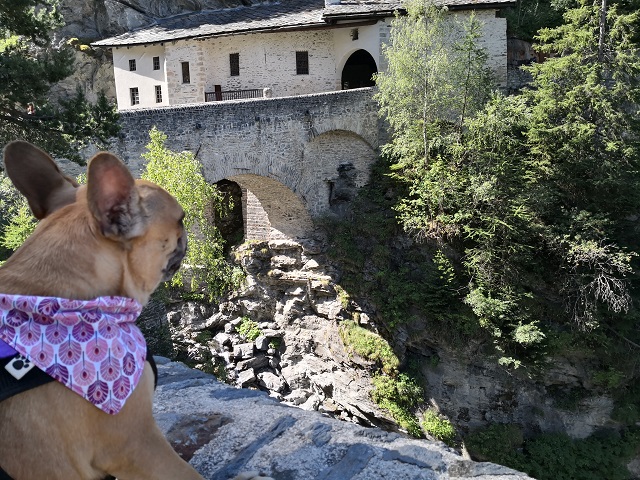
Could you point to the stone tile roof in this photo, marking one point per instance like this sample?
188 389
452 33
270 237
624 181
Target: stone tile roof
268 16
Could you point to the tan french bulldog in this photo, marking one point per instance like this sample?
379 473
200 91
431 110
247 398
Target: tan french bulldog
116 236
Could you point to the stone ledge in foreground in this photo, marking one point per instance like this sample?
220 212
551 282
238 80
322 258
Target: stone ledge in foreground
222 430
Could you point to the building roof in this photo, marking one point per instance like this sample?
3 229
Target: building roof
269 16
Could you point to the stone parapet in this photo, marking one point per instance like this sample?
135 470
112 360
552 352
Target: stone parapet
223 431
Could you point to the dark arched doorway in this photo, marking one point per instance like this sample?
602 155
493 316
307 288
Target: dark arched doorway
229 220
358 70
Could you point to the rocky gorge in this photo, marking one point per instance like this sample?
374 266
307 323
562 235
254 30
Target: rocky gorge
281 333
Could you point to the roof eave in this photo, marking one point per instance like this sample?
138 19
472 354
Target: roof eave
482 6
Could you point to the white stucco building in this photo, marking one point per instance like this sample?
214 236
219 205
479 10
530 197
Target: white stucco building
291 47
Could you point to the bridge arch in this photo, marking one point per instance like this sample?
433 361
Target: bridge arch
270 210
335 164
294 158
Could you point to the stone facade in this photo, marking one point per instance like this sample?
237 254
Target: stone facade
296 158
267 60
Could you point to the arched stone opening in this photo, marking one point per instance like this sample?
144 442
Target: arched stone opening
230 221
335 165
358 70
270 210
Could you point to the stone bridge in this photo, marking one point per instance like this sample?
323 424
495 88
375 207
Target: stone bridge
294 158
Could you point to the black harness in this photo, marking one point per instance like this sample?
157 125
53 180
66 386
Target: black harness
9 387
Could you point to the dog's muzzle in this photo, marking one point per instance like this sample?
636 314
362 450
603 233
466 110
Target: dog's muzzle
175 259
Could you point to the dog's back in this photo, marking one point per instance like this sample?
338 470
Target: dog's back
116 236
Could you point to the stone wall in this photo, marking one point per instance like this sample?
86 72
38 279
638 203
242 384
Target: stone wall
299 157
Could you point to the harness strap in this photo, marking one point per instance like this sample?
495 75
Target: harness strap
37 377
4 475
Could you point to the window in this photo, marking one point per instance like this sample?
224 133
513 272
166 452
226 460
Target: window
132 65
234 64
302 63
158 93
156 63
135 96
186 77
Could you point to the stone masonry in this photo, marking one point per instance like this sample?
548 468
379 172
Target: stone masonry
293 157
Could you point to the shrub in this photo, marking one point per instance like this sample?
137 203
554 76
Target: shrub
369 346
249 329
399 395
181 175
555 456
439 427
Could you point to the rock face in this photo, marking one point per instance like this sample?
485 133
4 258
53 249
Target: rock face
222 430
280 334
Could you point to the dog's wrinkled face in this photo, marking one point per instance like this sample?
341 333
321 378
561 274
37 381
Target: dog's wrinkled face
113 236
164 244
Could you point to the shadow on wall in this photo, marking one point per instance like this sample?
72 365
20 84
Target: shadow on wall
270 210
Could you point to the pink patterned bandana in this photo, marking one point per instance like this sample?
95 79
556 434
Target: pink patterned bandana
91 346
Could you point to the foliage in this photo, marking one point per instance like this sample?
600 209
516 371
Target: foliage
21 224
526 17
369 346
11 202
498 443
402 279
181 175
520 196
436 77
553 456
400 395
29 65
627 405
439 427
249 329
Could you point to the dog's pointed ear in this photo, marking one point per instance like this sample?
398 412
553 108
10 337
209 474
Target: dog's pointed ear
38 178
113 197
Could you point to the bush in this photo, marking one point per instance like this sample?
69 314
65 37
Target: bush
439 427
249 329
181 175
399 395
555 456
369 346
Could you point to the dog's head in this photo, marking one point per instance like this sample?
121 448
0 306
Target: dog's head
131 229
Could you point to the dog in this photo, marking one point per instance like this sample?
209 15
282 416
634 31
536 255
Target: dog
117 237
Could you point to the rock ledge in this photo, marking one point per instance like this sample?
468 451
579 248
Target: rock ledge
222 430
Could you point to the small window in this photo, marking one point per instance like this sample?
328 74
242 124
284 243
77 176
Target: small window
158 93
234 64
302 63
132 65
156 63
135 96
186 76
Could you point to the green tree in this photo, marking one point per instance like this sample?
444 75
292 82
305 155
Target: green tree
584 154
535 198
29 66
436 77
181 175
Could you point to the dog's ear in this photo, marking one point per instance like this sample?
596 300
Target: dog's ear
38 178
113 198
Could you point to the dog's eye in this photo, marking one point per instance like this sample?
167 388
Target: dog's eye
181 221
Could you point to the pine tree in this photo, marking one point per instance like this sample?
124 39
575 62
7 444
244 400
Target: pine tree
29 66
